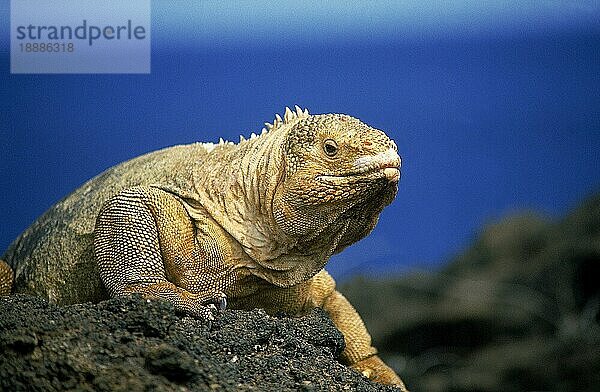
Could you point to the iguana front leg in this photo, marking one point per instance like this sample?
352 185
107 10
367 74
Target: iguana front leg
359 353
144 242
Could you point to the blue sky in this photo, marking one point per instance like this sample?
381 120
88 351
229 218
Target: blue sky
210 21
231 22
285 21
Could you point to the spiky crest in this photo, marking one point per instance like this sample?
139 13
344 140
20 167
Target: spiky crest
289 116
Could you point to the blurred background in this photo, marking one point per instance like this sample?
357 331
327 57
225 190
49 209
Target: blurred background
494 107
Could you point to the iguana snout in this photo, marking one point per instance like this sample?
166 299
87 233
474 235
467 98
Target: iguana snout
386 163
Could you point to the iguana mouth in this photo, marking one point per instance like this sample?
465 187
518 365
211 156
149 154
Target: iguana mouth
385 165
391 172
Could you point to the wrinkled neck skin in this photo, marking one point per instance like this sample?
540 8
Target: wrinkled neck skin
236 185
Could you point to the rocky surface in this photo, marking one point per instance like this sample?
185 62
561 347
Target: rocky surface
519 310
131 344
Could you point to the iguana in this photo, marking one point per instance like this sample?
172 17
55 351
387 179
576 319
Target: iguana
251 224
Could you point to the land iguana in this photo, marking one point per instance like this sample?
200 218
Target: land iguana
250 224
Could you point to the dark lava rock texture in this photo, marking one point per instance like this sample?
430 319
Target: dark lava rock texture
517 310
132 344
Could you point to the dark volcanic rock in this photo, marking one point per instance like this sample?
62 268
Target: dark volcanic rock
131 344
518 310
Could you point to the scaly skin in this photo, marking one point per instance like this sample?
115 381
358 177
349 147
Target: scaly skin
249 224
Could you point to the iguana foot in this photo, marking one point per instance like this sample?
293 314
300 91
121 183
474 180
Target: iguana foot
205 305
201 305
376 370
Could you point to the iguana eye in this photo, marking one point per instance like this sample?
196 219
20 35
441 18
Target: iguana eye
330 147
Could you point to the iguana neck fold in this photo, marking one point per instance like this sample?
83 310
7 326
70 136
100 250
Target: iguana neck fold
236 185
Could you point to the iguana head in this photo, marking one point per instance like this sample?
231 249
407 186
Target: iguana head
339 173
305 188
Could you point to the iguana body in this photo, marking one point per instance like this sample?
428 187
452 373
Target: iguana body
253 222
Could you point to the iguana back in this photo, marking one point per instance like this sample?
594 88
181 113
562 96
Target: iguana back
55 254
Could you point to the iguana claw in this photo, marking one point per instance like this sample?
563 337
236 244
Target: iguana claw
215 300
211 304
222 303
376 370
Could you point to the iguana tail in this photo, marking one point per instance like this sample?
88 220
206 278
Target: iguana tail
6 278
